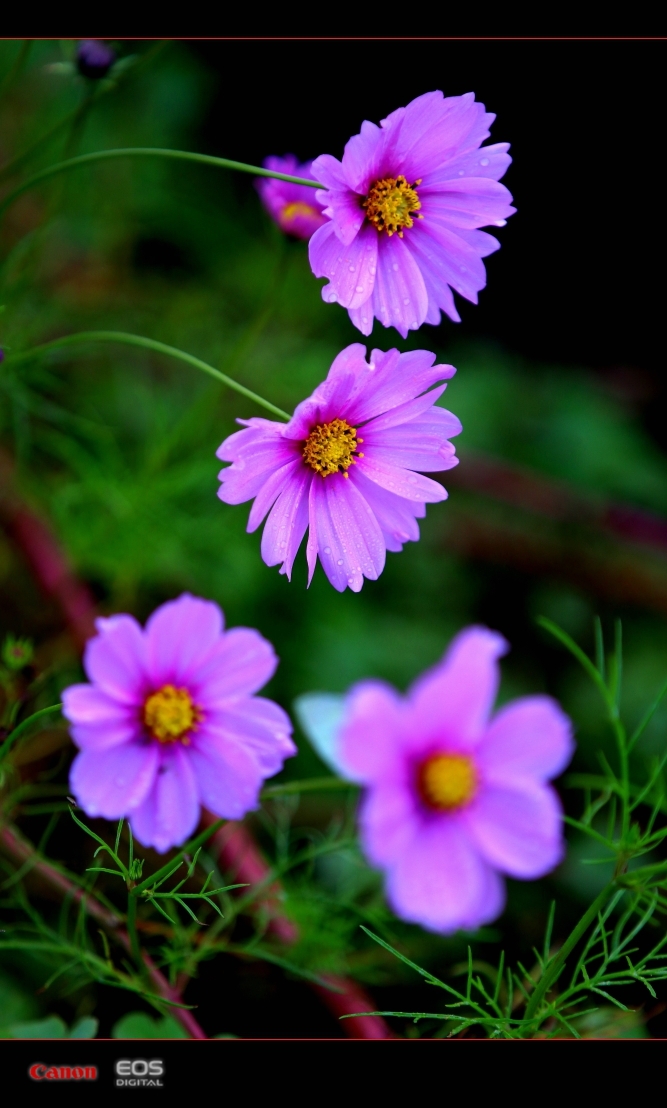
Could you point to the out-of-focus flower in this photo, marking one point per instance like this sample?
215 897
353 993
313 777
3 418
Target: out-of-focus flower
170 721
453 798
404 209
94 58
17 653
295 208
345 466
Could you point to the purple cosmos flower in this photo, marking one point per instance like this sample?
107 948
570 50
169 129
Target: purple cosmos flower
453 798
404 209
344 466
295 208
170 721
94 58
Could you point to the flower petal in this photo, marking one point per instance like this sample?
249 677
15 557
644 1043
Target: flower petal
402 482
393 379
440 881
111 783
453 700
348 536
240 663
228 774
518 830
287 523
170 812
98 720
530 738
350 268
396 515
115 659
400 299
262 727
180 635
369 735
275 485
467 202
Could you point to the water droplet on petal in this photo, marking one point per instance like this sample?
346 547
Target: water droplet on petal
327 550
395 267
332 297
350 581
372 270
461 172
484 161
340 561
351 269
406 300
359 288
501 223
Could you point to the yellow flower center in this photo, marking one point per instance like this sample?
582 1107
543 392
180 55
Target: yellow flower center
390 203
447 781
297 208
170 714
330 447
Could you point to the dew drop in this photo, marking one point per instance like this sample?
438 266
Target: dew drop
340 561
364 319
395 267
332 297
407 300
461 172
501 223
359 288
372 270
327 550
352 269
414 326
484 161
350 581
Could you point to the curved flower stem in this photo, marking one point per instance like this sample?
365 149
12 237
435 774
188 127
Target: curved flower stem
23 727
132 930
146 344
553 968
148 152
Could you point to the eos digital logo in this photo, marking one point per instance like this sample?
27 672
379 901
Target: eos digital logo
140 1071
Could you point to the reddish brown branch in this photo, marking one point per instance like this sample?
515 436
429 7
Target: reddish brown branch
240 857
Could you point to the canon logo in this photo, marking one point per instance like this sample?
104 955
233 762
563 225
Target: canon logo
139 1071
41 1072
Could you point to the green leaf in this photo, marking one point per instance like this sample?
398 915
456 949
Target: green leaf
139 1025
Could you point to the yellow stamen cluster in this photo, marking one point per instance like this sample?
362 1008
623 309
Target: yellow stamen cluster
332 447
297 208
390 203
447 781
170 714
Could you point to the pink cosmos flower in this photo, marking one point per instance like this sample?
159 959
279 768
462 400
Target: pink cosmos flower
404 209
170 721
344 466
295 208
454 798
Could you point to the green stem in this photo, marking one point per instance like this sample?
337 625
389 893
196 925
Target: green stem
23 727
132 929
146 344
553 968
148 152
189 848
